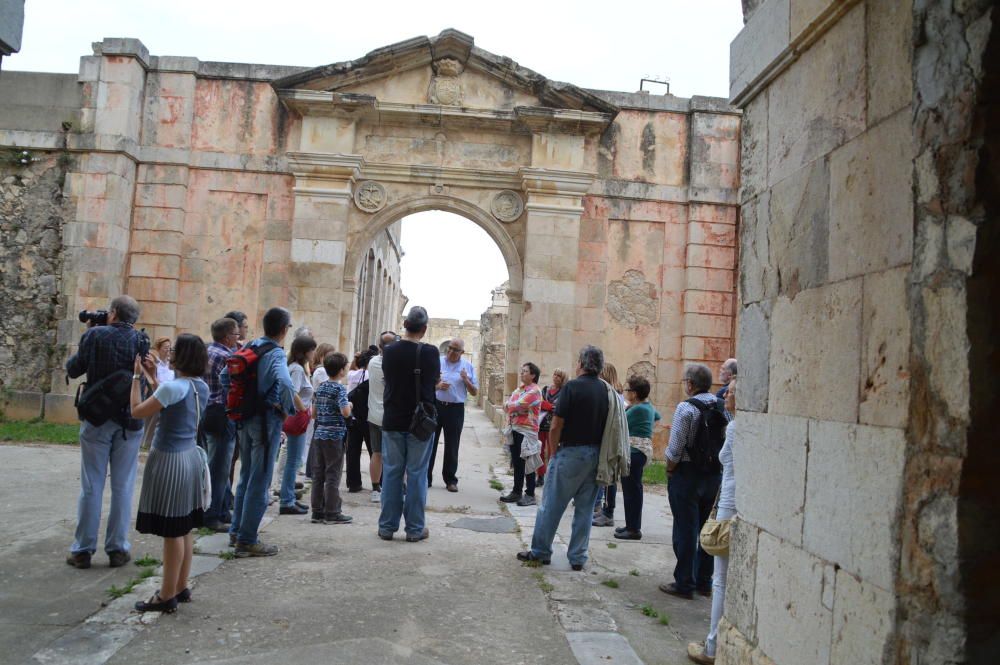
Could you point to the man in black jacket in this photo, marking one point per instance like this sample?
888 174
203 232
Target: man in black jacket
105 350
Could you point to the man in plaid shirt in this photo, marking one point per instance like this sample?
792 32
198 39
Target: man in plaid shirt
219 430
103 351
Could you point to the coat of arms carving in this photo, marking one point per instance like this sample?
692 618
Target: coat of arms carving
370 196
446 87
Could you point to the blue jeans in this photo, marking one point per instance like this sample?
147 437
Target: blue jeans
403 452
258 453
220 458
691 494
100 447
571 474
293 459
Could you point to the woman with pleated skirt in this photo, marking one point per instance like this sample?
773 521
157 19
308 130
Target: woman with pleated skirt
171 501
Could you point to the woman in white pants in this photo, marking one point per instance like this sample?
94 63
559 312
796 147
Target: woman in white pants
705 653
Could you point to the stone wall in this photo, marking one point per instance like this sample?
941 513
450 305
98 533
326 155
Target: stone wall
380 301
493 334
854 384
440 331
33 213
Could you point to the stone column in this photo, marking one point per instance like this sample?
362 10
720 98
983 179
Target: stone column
97 240
322 190
547 312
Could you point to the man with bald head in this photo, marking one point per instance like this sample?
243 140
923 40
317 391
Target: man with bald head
457 382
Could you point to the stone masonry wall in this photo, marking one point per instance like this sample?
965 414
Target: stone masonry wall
33 213
854 384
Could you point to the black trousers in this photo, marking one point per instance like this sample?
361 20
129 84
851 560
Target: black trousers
691 494
451 419
520 478
356 436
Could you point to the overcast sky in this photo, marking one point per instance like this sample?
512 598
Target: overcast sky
609 44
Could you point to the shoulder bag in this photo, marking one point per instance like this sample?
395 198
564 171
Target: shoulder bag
714 536
206 474
423 424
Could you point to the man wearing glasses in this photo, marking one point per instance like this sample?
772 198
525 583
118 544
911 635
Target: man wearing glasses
458 381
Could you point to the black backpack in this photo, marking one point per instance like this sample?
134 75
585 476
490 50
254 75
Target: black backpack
709 435
104 400
358 397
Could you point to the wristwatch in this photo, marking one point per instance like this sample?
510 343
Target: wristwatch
136 377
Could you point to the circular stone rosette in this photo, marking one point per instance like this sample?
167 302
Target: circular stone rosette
370 196
507 206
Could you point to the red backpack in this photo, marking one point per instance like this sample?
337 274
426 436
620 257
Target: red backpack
242 401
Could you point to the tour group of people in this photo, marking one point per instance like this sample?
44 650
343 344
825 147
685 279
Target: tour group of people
577 437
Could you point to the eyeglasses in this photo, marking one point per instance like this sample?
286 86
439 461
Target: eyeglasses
630 390
456 349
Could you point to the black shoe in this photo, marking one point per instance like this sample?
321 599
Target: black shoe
540 482
232 540
338 518
384 535
619 529
293 509
528 555
354 490
626 534
707 593
576 566
317 518
79 560
513 497
118 558
157 604
451 487
301 505
672 590
184 596
423 535
218 527
299 485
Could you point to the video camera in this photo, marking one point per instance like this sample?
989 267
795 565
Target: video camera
98 317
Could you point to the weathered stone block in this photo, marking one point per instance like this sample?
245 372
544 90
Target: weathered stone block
741 576
318 251
890 37
758 276
158 313
806 12
799 228
793 626
863 622
706 233
549 291
819 103
155 265
813 339
853 496
772 501
156 242
707 325
22 405
146 289
753 348
60 409
709 302
885 375
158 219
711 256
705 348
709 212
710 279
161 196
871 200
762 39
753 148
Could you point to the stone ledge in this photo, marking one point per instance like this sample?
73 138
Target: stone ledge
22 405
60 409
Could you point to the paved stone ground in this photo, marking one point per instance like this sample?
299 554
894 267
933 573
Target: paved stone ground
338 594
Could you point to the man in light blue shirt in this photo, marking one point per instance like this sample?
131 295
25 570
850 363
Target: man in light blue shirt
457 382
260 436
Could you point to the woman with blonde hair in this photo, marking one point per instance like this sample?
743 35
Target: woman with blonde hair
606 516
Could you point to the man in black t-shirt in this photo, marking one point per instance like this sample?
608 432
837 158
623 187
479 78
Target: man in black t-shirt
401 451
576 432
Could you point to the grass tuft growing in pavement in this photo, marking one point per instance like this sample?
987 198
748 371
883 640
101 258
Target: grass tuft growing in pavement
611 584
147 560
542 584
634 572
496 484
655 473
227 555
38 431
532 564
612 546
205 531
649 611
664 620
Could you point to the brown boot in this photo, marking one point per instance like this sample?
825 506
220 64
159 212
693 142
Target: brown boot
696 653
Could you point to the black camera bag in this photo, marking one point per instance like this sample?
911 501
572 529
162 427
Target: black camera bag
105 400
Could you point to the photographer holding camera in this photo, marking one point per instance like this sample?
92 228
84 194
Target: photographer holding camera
108 433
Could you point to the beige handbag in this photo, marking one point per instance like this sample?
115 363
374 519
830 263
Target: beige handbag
714 536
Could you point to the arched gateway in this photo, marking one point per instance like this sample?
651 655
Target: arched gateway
201 187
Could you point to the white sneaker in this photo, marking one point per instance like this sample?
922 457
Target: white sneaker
376 496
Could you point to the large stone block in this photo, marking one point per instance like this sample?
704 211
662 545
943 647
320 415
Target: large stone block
22 405
318 251
741 577
885 335
793 624
549 291
753 349
711 256
758 275
753 148
772 501
853 497
707 325
760 42
60 409
710 279
863 621
890 45
871 200
798 230
815 353
818 104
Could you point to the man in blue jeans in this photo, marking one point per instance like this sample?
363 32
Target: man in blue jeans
691 491
220 432
402 452
574 448
260 436
104 350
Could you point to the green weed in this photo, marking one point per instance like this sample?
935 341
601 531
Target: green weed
205 531
655 473
611 584
612 546
634 572
664 620
147 561
227 555
40 431
649 611
496 484
147 572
